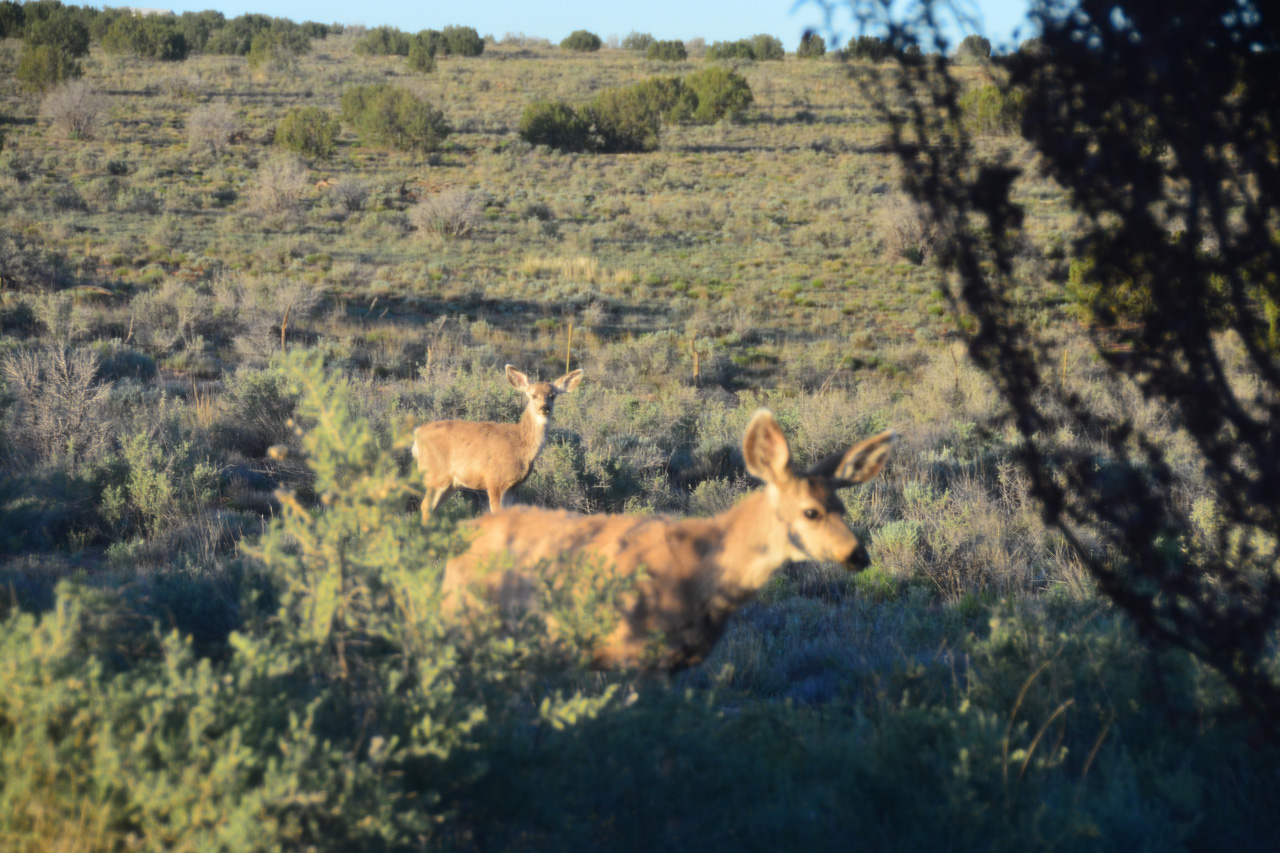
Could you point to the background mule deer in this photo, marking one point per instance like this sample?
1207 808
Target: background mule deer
488 457
691 575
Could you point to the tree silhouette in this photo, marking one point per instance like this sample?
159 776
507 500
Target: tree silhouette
1161 119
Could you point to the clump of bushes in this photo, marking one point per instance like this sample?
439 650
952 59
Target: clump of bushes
974 47
630 118
581 41
61 30
759 48
151 37
637 41
420 49
309 131
383 114
277 48
720 93
812 46
869 49
556 125
384 41
667 51
618 120
235 37
668 97
623 121
41 67
422 54
460 41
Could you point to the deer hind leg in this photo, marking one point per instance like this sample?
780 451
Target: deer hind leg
433 498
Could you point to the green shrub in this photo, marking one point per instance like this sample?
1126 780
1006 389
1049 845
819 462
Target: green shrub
388 115
461 41
384 41
161 487
151 37
667 51
974 47
722 50
199 27
422 53
637 41
759 47
554 124
667 97
767 48
991 109
235 36
869 49
624 121
42 67
13 18
276 48
61 30
720 92
581 41
812 46
309 131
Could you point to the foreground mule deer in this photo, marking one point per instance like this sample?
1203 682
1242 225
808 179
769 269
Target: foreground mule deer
487 457
690 575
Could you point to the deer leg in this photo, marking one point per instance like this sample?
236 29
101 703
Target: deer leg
495 499
433 499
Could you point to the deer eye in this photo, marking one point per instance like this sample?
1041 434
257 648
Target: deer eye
811 514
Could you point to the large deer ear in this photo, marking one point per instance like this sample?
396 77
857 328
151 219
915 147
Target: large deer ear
518 380
568 382
857 464
765 449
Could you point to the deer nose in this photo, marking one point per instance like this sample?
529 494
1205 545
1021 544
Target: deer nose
858 558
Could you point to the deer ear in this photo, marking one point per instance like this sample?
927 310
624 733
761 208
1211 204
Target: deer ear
518 380
765 450
859 463
568 382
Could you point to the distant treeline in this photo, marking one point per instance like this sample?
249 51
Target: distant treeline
70 29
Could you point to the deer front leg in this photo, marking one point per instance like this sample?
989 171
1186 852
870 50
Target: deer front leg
496 497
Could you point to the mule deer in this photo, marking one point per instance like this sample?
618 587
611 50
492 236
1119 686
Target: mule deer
487 457
690 575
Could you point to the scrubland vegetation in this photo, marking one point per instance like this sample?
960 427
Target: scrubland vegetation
231 282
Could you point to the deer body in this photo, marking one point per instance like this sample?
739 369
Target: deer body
488 457
691 574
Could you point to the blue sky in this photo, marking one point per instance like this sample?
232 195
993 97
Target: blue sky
554 19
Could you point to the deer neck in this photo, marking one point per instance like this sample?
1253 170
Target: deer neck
753 547
533 433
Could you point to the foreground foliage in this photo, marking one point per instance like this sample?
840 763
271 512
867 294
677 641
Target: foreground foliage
341 712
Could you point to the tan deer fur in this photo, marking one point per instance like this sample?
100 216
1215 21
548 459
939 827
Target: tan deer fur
487 457
692 574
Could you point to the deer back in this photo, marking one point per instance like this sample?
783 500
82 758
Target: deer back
473 455
677 595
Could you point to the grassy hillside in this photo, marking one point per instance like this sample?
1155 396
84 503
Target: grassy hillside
226 671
